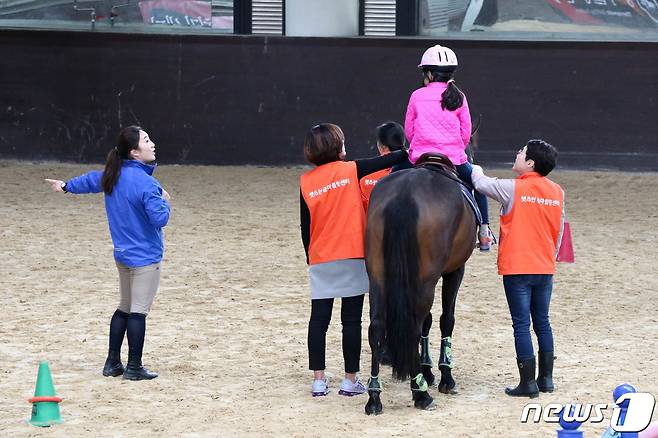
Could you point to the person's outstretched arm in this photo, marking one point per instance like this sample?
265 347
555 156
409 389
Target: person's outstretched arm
367 166
502 190
90 182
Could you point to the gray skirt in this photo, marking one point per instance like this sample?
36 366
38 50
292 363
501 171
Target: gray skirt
338 279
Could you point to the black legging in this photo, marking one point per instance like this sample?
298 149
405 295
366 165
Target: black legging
350 317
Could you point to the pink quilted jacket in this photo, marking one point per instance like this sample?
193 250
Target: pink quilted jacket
431 129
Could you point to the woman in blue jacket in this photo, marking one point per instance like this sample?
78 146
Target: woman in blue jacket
137 208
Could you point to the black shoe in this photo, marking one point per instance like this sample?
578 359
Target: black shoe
528 385
113 366
135 370
545 375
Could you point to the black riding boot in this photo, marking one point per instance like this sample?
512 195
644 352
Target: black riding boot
113 366
136 371
545 376
528 385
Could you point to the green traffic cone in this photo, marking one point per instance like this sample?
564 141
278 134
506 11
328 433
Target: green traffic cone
45 404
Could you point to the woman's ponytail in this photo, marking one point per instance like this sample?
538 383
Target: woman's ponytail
128 140
112 170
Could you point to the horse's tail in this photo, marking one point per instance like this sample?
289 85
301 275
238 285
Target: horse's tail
401 286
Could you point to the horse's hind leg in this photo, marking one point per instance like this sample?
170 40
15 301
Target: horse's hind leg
376 340
450 287
425 358
420 387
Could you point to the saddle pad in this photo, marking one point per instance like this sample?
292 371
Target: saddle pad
471 201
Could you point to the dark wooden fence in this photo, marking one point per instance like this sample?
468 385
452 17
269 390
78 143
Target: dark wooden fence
250 99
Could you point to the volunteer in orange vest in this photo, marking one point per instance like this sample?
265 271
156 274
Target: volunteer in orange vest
531 225
390 137
333 228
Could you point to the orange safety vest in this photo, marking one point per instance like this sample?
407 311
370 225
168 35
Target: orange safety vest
368 182
529 232
338 221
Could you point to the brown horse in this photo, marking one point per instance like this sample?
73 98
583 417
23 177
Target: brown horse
420 228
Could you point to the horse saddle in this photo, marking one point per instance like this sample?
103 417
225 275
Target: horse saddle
436 160
442 163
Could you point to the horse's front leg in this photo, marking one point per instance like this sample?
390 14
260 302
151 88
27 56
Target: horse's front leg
425 357
376 341
419 386
449 289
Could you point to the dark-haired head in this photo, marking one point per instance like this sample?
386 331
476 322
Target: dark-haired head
543 154
452 98
536 155
390 135
128 140
324 143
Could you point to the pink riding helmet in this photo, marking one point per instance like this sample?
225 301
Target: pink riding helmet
439 56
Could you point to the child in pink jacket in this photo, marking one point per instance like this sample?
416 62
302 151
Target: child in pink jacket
438 120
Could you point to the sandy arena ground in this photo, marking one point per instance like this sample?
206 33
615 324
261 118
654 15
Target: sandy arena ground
227 332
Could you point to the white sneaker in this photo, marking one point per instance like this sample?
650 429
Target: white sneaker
319 388
486 238
350 389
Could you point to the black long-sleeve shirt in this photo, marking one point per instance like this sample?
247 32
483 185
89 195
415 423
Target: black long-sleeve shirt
364 167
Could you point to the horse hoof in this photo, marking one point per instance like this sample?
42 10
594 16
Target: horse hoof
448 389
423 400
373 408
430 407
426 404
447 385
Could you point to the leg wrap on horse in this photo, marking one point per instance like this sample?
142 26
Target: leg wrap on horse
445 358
425 358
420 395
374 385
419 384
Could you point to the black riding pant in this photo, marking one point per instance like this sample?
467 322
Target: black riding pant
350 316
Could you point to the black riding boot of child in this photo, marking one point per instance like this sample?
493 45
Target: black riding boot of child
113 366
528 385
545 374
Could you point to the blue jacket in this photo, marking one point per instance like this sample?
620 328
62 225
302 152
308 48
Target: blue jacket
136 212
